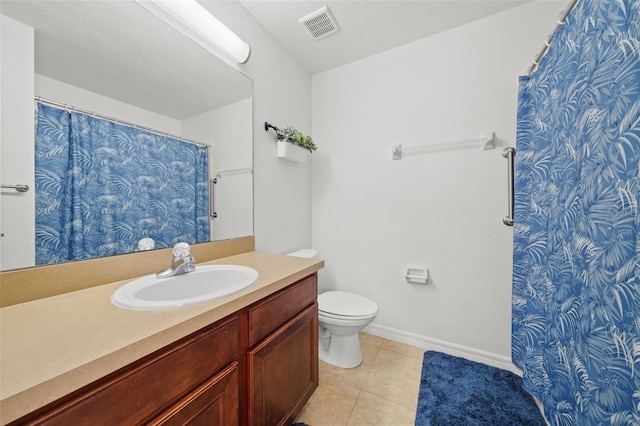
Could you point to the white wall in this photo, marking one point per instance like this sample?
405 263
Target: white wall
281 96
373 216
17 214
228 131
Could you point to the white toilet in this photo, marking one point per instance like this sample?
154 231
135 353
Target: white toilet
341 315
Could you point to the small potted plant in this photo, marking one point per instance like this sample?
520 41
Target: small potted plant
293 145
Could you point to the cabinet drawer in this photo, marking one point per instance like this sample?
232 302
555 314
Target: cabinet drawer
215 403
143 389
266 316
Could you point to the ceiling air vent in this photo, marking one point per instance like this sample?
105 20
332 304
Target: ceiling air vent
320 23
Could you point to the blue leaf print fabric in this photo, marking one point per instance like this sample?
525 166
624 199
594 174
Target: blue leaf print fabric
103 186
576 272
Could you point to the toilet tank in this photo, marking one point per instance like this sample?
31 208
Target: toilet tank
307 253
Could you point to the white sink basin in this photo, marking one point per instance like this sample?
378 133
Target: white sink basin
207 282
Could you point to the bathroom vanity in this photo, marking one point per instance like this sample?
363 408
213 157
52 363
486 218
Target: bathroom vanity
250 358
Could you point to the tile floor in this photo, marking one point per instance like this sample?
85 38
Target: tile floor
383 390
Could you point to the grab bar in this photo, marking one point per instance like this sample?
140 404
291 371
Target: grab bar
509 153
212 210
19 188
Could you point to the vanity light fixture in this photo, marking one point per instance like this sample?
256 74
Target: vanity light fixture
194 21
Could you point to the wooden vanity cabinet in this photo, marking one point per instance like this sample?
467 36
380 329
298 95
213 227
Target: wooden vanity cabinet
283 355
258 366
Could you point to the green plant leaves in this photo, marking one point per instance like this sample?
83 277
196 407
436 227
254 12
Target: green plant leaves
296 137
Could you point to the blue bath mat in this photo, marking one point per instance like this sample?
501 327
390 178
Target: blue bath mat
456 391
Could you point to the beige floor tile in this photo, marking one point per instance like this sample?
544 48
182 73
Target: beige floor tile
350 376
370 339
353 377
396 378
369 353
330 405
402 348
385 357
381 391
373 410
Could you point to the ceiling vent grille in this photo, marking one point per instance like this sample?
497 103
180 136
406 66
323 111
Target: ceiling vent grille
320 23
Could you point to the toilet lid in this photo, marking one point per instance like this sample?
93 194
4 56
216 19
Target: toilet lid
346 304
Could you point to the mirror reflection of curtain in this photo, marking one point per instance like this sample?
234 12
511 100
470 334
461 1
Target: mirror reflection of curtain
102 186
576 273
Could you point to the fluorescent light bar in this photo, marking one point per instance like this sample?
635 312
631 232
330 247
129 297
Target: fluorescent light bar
194 21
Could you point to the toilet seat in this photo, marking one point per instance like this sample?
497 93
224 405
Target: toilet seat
346 317
347 306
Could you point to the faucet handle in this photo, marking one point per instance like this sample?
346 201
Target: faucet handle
180 251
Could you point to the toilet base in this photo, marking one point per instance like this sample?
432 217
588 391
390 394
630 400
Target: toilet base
341 351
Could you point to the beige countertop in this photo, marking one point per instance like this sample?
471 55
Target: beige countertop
53 346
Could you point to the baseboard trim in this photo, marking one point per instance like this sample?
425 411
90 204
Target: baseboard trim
429 343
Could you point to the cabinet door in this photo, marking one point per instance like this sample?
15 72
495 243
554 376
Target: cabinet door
214 403
283 370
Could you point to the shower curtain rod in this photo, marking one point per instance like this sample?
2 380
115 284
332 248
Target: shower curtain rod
115 120
547 42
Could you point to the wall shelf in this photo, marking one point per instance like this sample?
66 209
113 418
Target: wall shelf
290 152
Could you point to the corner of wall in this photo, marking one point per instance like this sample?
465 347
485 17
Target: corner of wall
282 96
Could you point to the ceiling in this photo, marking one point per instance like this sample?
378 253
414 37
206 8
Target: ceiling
367 26
131 56
119 50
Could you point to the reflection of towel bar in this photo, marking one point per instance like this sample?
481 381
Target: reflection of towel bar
19 188
221 173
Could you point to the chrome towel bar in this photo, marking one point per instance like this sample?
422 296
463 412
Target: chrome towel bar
19 188
509 154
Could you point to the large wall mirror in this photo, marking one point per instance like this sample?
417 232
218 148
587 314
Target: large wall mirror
116 60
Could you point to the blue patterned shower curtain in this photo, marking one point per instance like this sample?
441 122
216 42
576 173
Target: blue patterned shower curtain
103 186
576 284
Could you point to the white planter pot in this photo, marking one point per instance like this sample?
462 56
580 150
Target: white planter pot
290 152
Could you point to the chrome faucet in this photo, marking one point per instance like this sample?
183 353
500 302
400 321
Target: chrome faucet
180 254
